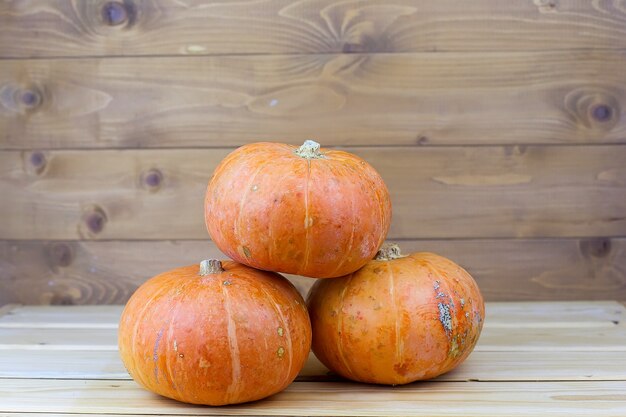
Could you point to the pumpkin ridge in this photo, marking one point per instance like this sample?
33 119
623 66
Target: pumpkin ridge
242 160
355 161
351 241
242 204
272 247
286 329
170 375
392 296
340 331
306 218
232 344
139 320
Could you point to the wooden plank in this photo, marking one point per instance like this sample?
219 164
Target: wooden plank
6 309
555 314
442 192
66 28
497 338
100 272
564 314
480 366
357 99
598 398
63 317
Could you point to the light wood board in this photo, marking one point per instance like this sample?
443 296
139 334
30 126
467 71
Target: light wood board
559 314
598 398
480 366
513 338
550 329
545 368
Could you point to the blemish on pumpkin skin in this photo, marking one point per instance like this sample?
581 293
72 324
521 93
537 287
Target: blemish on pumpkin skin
175 346
226 283
255 187
246 251
308 222
401 368
155 354
454 349
280 352
280 331
436 285
444 317
462 302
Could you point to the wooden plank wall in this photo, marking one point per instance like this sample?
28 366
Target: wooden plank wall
500 128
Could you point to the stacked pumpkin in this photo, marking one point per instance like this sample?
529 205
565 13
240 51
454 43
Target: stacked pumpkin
230 332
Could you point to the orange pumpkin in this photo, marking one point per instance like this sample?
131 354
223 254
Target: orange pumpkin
305 211
398 319
222 333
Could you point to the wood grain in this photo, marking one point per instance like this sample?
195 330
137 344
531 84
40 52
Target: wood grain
443 192
558 314
107 272
583 398
558 97
102 361
67 28
497 339
480 366
506 329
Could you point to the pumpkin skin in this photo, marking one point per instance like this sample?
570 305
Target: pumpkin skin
307 211
396 321
222 338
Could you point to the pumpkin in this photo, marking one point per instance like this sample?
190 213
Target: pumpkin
307 211
397 320
219 333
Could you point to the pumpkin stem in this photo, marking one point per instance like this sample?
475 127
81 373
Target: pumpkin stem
388 252
210 266
309 150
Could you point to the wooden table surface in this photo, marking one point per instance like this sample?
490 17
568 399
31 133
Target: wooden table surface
533 359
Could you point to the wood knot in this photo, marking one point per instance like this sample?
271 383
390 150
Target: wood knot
21 99
118 13
62 300
152 179
602 113
30 98
37 163
114 13
95 218
60 254
597 248
594 110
